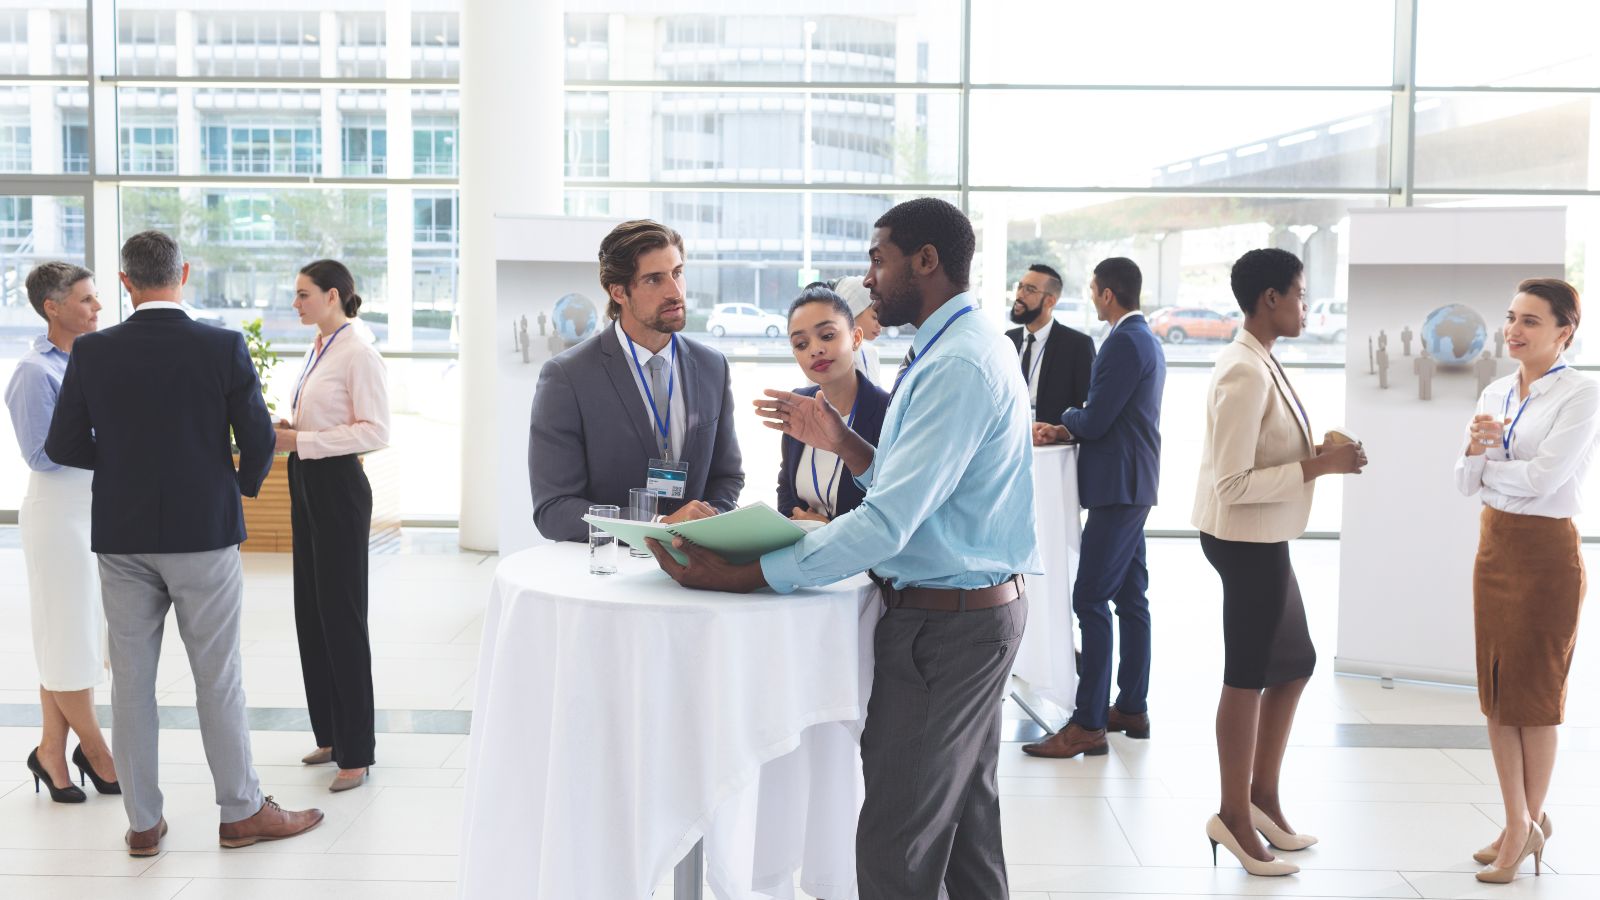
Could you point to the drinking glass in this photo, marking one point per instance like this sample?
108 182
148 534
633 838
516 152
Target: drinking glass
602 544
642 504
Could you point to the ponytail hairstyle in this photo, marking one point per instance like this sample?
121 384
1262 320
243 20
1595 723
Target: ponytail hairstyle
819 292
332 275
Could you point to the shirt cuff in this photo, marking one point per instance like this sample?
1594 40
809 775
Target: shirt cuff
864 480
781 569
306 445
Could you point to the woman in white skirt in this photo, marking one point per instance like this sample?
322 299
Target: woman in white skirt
63 581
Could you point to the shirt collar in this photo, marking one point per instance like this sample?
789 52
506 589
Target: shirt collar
42 345
1040 336
644 353
160 304
943 314
1548 381
1125 317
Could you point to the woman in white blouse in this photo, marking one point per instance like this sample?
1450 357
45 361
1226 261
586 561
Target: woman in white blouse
1528 450
340 409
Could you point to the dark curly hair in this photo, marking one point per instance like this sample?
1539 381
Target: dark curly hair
917 223
1260 270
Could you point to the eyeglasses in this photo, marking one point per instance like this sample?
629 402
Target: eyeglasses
1028 290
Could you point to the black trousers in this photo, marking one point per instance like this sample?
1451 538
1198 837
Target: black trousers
331 511
929 754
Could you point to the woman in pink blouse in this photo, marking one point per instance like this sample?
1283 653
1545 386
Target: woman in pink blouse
340 409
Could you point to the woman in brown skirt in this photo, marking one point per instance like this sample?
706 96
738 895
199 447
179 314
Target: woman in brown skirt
1528 450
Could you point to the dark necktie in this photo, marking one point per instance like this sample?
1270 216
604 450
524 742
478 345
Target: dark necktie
1027 360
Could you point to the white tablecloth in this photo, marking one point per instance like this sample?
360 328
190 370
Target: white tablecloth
1045 659
620 718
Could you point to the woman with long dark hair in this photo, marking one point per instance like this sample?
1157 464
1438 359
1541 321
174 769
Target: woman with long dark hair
339 410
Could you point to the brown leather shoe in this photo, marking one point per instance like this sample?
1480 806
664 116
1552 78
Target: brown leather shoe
271 823
1069 742
1134 725
147 842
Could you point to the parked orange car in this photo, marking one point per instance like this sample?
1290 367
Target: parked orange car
1177 324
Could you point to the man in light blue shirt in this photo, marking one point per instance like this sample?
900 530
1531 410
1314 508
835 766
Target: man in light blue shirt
947 528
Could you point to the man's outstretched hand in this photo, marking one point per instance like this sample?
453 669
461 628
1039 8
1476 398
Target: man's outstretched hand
706 571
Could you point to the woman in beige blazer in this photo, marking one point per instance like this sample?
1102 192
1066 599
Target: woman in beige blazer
1253 496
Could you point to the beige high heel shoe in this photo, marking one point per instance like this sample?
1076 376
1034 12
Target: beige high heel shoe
1487 855
1277 837
1534 845
1219 834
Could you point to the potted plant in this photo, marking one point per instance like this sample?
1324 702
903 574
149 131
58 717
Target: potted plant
266 515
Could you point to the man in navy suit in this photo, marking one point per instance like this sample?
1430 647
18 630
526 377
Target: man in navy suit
149 406
1119 459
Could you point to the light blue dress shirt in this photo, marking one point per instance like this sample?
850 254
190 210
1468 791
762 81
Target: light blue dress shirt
31 398
949 499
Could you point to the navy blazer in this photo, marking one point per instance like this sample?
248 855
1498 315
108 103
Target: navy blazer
149 405
1064 373
871 404
1119 429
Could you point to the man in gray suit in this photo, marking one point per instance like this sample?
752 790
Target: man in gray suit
636 405
149 406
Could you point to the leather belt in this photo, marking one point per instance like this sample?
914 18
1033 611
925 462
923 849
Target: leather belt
949 599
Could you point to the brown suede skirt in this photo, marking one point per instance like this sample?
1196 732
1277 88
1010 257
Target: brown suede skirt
1527 589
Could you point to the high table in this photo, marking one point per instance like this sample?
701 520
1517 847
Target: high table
620 719
1045 659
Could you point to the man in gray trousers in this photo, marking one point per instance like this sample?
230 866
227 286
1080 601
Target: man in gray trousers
149 406
947 531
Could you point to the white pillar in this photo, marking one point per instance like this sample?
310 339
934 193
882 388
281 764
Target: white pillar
401 165
512 66
328 67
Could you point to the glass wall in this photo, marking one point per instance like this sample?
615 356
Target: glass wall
216 112
772 141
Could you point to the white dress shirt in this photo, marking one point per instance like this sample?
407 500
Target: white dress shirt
1552 446
1034 364
344 396
675 428
867 362
822 497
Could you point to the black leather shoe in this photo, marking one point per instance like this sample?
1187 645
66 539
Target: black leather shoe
69 794
100 784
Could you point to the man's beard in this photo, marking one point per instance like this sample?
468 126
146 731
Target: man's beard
901 306
1027 316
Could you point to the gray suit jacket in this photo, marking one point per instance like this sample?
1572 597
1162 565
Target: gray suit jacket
589 439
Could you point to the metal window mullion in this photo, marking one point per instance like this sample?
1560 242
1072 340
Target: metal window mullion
964 110
1403 112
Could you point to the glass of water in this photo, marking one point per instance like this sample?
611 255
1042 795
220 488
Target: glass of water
642 504
602 543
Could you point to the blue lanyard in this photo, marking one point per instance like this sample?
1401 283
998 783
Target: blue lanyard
1505 441
917 356
838 463
664 426
311 365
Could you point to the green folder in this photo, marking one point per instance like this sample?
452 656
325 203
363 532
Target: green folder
741 536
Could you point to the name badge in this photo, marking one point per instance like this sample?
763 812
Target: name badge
668 477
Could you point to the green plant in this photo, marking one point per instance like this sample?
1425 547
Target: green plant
262 356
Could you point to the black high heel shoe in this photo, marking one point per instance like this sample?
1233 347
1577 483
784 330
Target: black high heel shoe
69 794
100 784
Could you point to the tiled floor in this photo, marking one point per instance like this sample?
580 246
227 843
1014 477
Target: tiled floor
1396 820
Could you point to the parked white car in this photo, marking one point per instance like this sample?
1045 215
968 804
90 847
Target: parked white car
1326 320
746 319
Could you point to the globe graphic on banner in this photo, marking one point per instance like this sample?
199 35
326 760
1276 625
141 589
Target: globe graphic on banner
575 318
1454 334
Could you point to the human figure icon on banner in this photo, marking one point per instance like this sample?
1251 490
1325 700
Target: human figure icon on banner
1372 365
1499 343
1406 334
554 342
516 341
1383 341
526 350
1425 365
1383 367
541 324
1486 370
